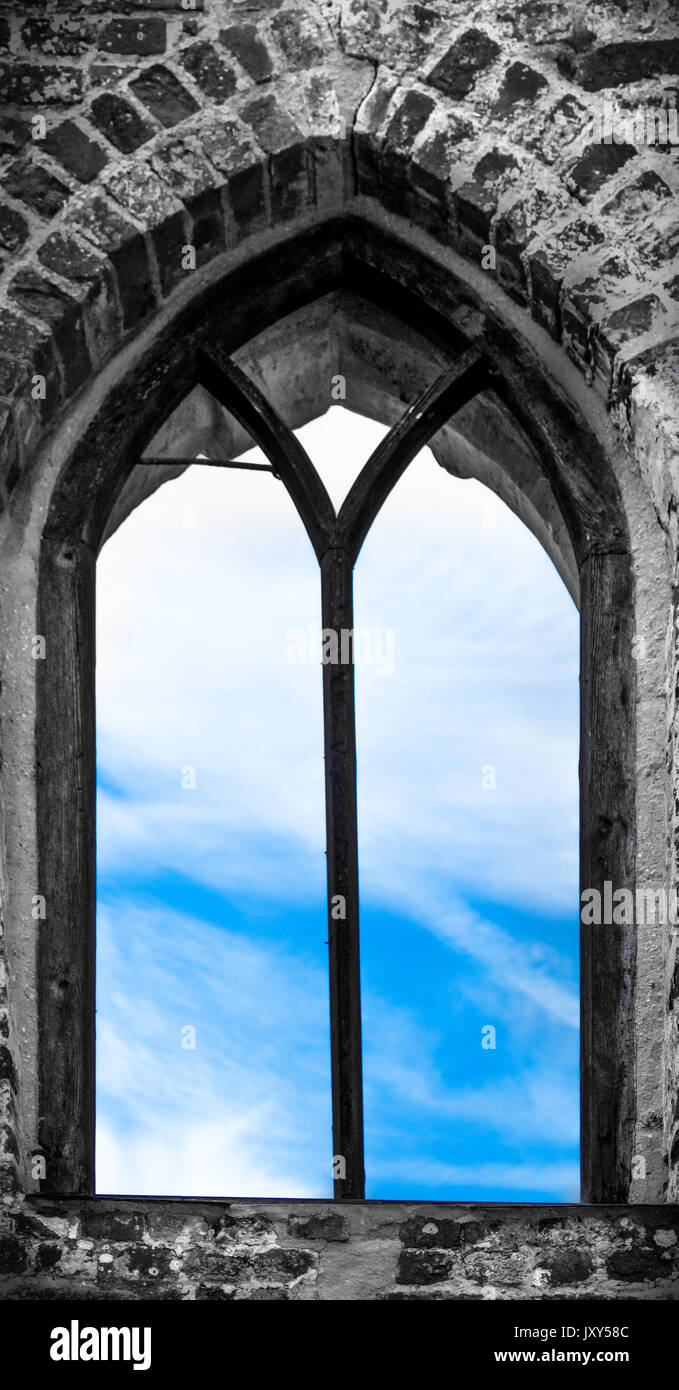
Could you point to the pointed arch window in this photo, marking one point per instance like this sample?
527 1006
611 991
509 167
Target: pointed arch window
571 493
337 538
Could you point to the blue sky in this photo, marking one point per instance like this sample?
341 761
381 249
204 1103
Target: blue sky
211 912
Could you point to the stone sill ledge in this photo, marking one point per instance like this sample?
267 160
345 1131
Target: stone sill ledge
308 1249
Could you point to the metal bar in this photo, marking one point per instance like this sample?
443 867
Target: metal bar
342 857
430 411
210 463
238 394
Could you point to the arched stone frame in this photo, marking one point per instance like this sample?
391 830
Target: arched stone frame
64 507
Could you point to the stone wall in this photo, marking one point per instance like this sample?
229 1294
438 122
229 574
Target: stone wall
158 1249
134 131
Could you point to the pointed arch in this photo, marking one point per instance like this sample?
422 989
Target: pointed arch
579 502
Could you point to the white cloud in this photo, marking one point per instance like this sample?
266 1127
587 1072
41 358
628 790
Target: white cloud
247 1111
197 594
250 1102
194 1160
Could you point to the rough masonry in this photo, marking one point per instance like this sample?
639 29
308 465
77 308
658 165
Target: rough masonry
509 134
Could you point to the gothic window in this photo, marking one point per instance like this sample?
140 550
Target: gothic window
337 540
553 472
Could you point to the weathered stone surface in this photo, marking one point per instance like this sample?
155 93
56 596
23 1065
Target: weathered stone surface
298 36
244 42
14 133
278 136
47 1256
548 264
12 1255
614 64
71 147
107 74
520 83
120 122
34 186
473 129
409 118
430 1234
33 84
631 321
13 228
456 73
17 342
168 6
69 258
407 122
429 173
231 148
571 1267
93 282
62 36
586 297
163 94
126 250
646 192
423 1267
332 1227
211 73
45 300
634 1265
597 164
182 165
140 36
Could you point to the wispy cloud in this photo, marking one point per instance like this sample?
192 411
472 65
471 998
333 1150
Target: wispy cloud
545 1178
246 1111
197 595
253 1082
